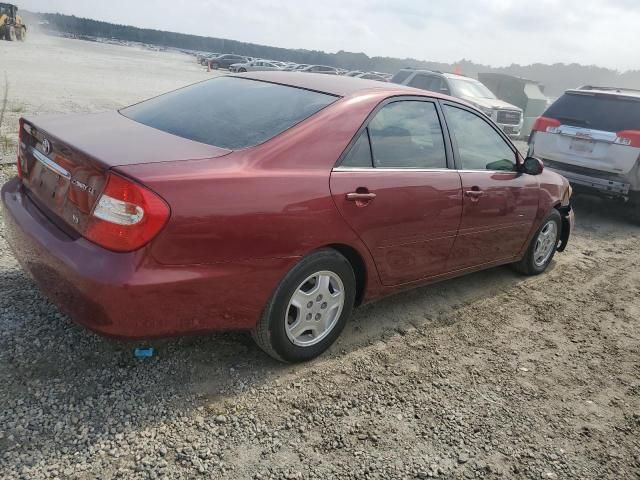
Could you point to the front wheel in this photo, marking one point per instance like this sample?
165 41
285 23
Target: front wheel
309 308
242 70
543 246
23 34
215 66
12 34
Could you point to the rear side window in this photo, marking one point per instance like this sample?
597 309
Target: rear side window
360 153
229 112
609 113
407 134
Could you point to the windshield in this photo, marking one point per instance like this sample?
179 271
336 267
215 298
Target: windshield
229 112
469 88
609 113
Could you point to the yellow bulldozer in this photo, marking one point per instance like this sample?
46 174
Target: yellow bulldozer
11 26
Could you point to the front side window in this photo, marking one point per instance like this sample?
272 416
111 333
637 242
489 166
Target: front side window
480 147
407 134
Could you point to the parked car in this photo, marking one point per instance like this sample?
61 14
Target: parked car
193 212
508 116
354 73
254 66
372 76
591 136
204 60
225 61
525 94
320 69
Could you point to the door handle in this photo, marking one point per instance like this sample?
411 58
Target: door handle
366 197
474 194
362 197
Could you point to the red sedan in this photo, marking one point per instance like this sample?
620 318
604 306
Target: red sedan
271 202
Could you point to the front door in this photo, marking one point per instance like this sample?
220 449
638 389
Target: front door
500 203
394 189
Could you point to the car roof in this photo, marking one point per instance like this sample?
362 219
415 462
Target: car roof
438 72
338 85
614 91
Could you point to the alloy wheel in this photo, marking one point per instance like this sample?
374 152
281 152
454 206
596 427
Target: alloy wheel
314 308
545 243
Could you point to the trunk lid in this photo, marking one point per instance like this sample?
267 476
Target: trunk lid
65 159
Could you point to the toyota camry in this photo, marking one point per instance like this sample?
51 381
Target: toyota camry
271 202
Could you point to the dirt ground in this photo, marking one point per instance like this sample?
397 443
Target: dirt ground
493 375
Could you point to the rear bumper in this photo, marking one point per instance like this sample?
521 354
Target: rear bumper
602 186
129 295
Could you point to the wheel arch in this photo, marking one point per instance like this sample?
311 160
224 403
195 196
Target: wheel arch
359 268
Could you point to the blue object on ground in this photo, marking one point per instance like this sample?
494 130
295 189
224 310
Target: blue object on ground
143 352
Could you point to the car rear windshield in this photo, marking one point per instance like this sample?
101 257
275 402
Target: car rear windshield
609 113
229 112
401 76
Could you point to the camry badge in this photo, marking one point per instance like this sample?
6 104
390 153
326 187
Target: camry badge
83 186
46 147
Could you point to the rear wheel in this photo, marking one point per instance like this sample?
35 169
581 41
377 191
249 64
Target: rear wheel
542 247
309 308
634 207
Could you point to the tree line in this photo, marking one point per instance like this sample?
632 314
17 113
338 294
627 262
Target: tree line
556 78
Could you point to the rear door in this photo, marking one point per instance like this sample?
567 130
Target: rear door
394 188
597 131
500 203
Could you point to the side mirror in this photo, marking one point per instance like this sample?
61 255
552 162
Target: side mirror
532 166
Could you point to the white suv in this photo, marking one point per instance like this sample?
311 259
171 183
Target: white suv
508 117
591 136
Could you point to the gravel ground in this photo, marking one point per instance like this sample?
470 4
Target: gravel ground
488 376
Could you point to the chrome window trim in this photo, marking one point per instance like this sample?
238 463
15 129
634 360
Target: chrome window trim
50 164
391 169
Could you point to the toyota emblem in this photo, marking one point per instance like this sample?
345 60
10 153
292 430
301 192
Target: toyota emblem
46 147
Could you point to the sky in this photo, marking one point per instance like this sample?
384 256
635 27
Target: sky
492 32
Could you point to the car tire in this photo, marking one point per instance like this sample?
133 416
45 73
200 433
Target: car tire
215 66
318 293
543 246
242 70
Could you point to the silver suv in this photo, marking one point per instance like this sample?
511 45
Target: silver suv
591 136
507 116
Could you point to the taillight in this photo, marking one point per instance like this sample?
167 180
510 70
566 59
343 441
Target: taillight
545 124
126 216
629 138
